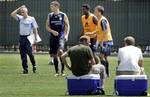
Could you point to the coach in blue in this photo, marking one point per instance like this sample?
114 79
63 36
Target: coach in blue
57 24
28 26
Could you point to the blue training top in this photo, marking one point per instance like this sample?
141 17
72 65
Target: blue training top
56 22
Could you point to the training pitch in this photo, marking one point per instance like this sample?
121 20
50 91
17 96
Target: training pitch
43 84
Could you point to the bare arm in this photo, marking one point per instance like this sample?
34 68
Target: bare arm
35 31
63 57
48 28
140 63
92 61
105 28
67 27
14 13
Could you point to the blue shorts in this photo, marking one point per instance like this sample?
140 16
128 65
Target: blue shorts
105 48
56 43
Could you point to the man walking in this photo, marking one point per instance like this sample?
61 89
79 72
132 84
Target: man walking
27 26
57 24
104 37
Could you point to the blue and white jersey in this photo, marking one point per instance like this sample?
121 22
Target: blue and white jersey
26 24
56 22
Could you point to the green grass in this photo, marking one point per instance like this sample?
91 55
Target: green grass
43 83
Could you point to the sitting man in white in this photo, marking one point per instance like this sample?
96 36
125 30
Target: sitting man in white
130 59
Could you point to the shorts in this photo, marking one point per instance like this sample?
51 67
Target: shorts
127 72
56 43
98 69
105 48
93 44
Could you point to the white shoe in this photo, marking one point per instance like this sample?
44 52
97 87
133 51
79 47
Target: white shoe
63 74
56 75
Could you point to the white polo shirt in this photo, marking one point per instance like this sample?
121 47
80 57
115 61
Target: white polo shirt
129 57
26 24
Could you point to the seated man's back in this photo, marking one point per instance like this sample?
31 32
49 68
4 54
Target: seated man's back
80 56
130 59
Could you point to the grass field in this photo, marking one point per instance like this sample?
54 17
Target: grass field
43 83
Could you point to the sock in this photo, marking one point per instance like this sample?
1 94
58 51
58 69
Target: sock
103 62
107 68
56 64
62 66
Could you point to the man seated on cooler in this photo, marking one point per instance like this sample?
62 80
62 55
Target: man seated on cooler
130 59
83 61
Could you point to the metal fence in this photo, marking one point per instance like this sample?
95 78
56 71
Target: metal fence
126 17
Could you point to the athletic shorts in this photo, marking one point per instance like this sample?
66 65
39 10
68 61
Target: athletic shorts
93 44
56 43
105 48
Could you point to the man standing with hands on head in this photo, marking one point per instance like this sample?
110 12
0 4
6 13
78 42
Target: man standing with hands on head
27 26
57 24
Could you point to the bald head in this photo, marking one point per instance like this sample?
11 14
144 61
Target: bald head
129 40
24 9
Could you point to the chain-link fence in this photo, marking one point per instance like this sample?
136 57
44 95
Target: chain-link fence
126 17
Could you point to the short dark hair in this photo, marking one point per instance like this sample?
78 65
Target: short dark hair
55 3
84 38
100 9
129 40
87 6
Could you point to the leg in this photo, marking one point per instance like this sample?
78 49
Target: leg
51 62
56 63
100 69
60 52
107 66
31 56
23 51
103 57
93 44
53 53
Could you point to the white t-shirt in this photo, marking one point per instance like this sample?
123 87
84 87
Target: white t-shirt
129 57
26 24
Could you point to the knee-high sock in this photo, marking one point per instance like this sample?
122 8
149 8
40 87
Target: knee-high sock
56 64
62 65
107 68
106 64
103 62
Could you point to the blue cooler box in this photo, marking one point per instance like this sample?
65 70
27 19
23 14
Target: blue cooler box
131 85
83 85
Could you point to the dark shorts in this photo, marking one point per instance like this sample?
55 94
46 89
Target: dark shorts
106 48
56 43
93 44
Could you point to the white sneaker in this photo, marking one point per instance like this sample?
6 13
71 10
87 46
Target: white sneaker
56 75
51 62
63 74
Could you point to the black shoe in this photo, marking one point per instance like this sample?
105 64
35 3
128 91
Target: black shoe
34 69
25 71
102 92
51 63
